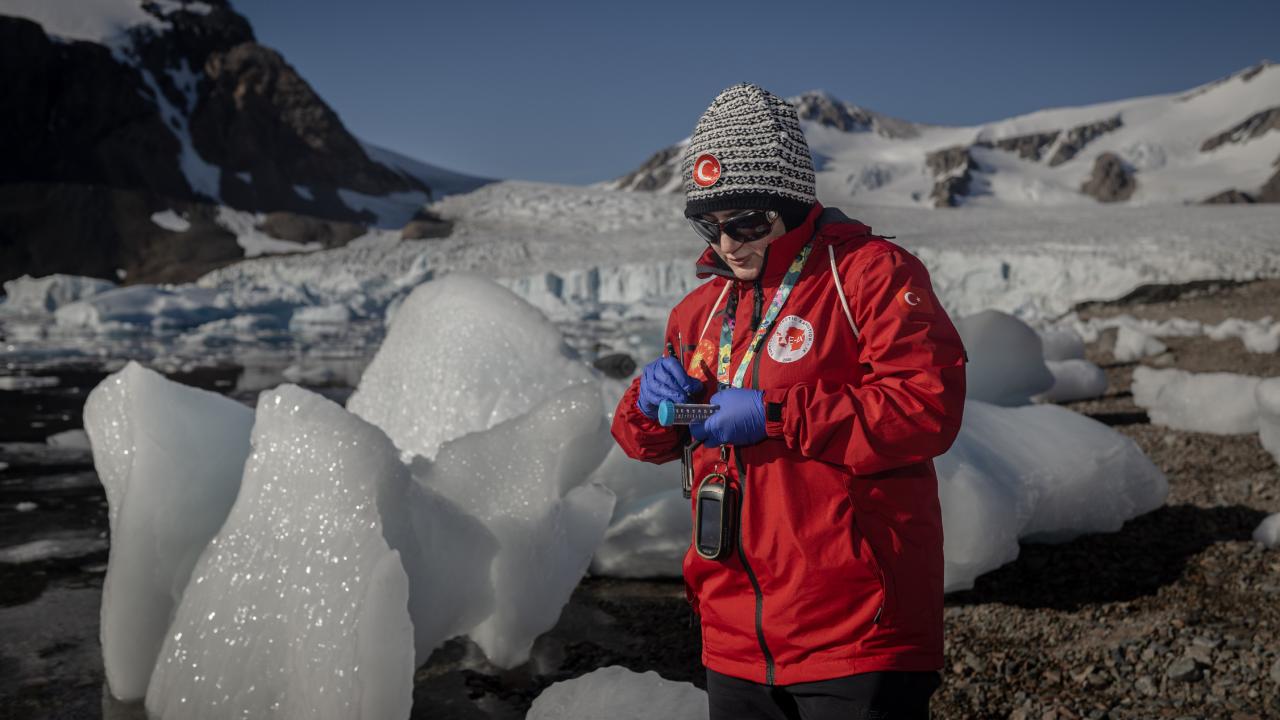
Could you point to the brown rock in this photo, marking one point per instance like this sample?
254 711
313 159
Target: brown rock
1028 147
1254 126
304 229
1229 197
1081 135
1112 179
656 172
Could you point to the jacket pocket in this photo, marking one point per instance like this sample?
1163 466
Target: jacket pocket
867 549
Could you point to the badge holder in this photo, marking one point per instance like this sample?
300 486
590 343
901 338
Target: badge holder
714 517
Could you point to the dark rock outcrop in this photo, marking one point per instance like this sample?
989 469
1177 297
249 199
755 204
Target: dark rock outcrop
953 169
93 142
61 215
1254 126
306 229
1028 147
1112 180
1081 135
258 116
1229 197
821 108
425 226
655 173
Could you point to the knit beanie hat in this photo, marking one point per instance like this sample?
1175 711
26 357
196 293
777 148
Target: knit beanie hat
748 152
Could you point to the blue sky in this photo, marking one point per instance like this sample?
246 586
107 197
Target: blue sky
577 92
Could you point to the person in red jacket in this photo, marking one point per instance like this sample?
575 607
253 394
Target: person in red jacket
838 377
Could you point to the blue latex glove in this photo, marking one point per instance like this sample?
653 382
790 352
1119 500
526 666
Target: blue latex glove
739 421
665 379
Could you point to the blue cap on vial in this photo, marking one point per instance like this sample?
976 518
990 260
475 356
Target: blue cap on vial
666 413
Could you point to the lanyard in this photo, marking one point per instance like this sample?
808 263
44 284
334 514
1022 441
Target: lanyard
730 319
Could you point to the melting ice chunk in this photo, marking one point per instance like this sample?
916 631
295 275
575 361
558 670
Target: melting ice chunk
1074 379
1268 398
1042 473
170 458
652 524
462 354
522 479
298 607
620 694
1006 359
1220 403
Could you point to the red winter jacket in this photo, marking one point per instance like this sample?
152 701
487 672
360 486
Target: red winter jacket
838 565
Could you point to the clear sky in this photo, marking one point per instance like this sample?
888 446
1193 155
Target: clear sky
578 92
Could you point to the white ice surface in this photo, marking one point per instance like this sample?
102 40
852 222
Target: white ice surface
27 382
170 459
170 220
298 607
1075 379
77 439
1268 399
1268 531
1061 343
1133 344
524 480
105 22
1041 473
49 548
1006 359
616 693
1218 403
46 294
244 225
462 355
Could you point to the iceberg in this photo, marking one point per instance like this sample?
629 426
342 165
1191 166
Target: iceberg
170 459
524 480
462 354
298 607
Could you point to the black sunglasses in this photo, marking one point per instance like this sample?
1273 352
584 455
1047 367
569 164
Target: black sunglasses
746 227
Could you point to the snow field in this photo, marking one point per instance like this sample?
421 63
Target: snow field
1268 399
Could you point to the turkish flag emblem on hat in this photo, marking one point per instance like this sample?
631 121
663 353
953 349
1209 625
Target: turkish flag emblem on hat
706 170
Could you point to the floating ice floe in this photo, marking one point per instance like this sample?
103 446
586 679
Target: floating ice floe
46 294
298 607
617 693
50 548
76 439
170 459
1006 359
1218 403
1268 532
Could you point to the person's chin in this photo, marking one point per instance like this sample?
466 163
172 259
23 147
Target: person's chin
743 273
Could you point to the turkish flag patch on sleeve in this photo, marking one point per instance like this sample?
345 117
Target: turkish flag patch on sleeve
915 300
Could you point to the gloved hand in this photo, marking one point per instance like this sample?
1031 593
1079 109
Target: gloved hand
665 379
739 421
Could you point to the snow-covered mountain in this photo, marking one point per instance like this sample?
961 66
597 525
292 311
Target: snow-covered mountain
117 111
1212 144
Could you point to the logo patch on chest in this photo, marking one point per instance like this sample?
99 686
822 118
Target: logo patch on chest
791 340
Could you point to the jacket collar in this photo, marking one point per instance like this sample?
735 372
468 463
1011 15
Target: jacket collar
777 257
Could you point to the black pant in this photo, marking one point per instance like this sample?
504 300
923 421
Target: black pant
868 696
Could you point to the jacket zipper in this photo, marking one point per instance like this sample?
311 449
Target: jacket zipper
756 309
